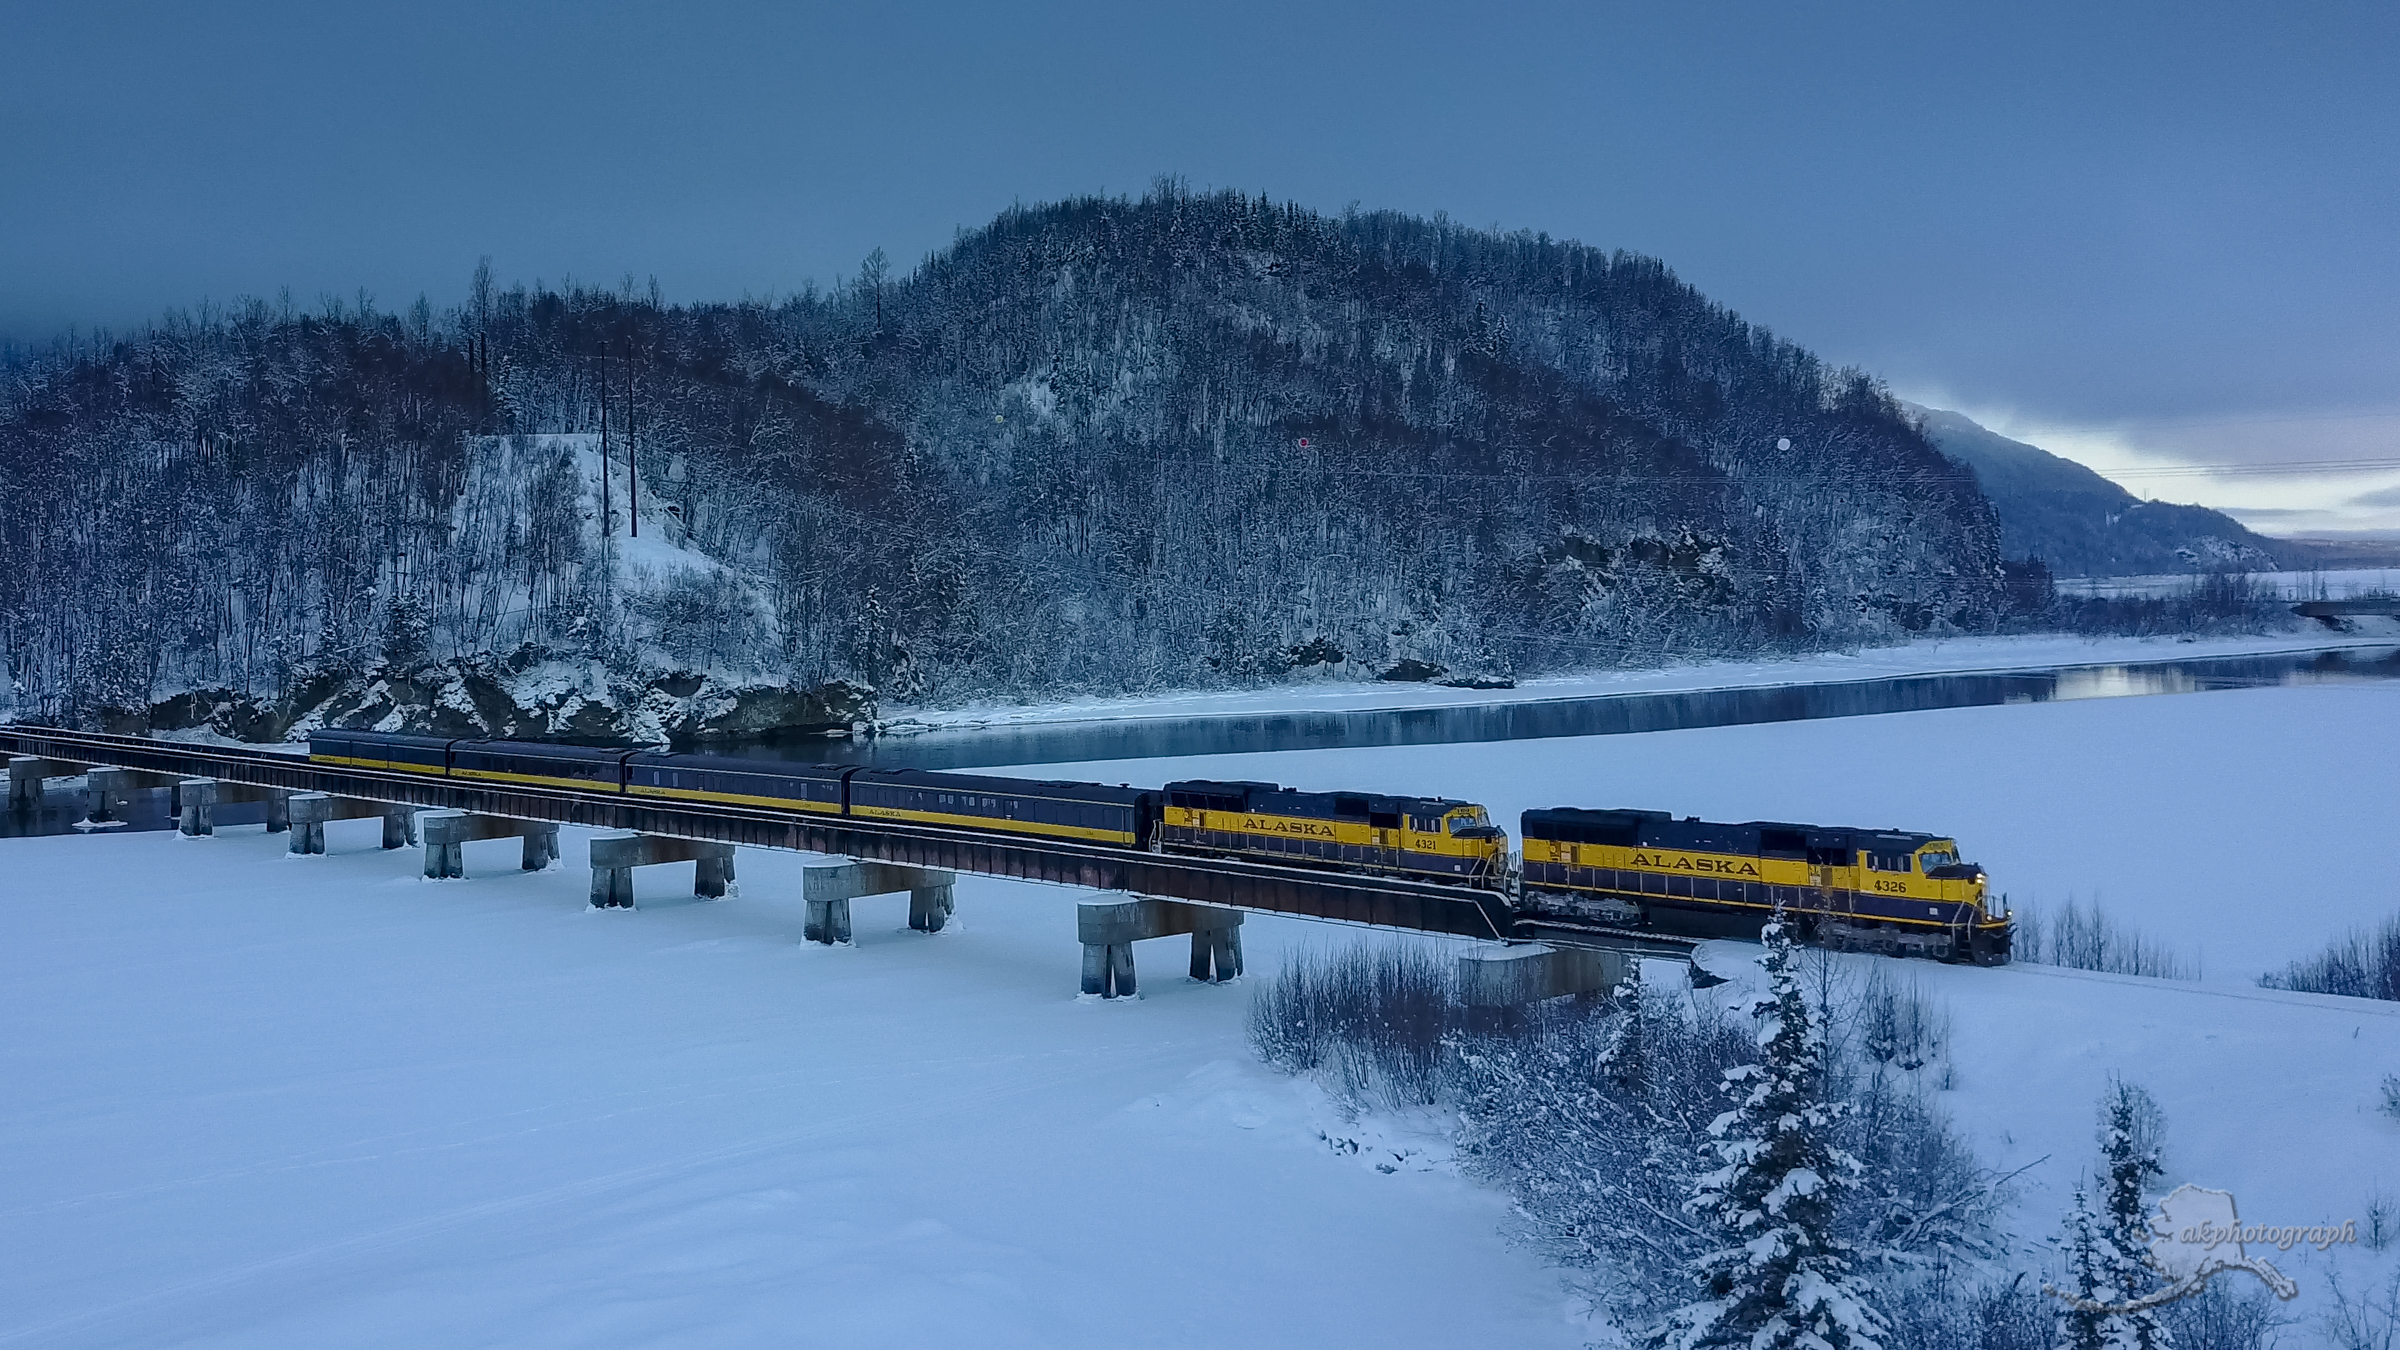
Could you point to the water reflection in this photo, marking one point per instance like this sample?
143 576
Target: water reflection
1607 715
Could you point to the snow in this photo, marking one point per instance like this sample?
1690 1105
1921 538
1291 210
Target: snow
1972 655
266 1101
2334 585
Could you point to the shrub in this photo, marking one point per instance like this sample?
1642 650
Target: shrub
2361 963
1370 1019
2087 939
1594 1115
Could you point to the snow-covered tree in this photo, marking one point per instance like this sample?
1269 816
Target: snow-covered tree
1626 1058
2107 1248
406 626
1781 1275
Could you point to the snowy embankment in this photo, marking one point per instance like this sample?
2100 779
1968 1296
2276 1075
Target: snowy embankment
1974 655
275 1102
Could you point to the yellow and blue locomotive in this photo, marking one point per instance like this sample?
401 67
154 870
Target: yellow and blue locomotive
1431 837
1862 890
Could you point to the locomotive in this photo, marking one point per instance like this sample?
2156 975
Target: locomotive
1852 890
1849 889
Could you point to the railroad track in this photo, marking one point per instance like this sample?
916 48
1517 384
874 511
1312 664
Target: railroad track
1382 902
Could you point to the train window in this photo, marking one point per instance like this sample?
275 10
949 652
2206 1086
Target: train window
1383 820
1784 843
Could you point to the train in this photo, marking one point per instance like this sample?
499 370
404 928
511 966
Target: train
1625 872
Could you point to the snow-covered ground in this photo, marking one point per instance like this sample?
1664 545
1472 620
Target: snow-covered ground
2336 585
264 1101
260 1101
1948 656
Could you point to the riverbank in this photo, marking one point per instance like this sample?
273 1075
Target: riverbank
1952 656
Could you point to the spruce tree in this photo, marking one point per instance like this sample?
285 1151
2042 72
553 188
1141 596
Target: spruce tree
1781 1276
406 627
2114 1299
2087 1265
1625 1060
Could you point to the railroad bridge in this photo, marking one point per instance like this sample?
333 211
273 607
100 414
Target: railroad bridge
1151 894
2332 612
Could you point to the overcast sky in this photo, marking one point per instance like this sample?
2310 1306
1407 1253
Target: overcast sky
2138 235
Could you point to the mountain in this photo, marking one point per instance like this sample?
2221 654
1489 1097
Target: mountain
2083 525
1096 445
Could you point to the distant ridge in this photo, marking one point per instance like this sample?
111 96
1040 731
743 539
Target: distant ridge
2083 525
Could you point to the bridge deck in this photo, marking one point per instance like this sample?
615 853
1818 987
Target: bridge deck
1380 901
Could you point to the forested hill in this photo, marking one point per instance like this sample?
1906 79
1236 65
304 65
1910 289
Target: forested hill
1178 441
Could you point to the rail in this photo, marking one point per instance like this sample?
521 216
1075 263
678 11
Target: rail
1383 902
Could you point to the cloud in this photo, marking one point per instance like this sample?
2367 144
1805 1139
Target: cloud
2380 497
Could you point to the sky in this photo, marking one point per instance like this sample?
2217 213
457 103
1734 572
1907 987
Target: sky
2151 237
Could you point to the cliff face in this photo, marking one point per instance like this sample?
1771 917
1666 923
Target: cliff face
1098 445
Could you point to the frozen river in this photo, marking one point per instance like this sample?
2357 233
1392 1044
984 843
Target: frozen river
1601 715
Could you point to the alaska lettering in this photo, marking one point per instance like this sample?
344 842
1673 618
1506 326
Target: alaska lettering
1678 862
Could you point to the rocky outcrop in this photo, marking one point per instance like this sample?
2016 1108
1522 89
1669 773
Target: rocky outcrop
762 712
536 699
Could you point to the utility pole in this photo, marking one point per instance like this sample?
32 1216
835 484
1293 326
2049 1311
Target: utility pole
633 474
608 512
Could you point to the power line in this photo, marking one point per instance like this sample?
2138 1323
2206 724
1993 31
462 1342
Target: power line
2296 467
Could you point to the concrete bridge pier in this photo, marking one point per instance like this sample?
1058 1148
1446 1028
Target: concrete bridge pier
830 887
196 799
194 805
310 810
448 832
113 789
614 856
1496 981
1109 928
25 775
